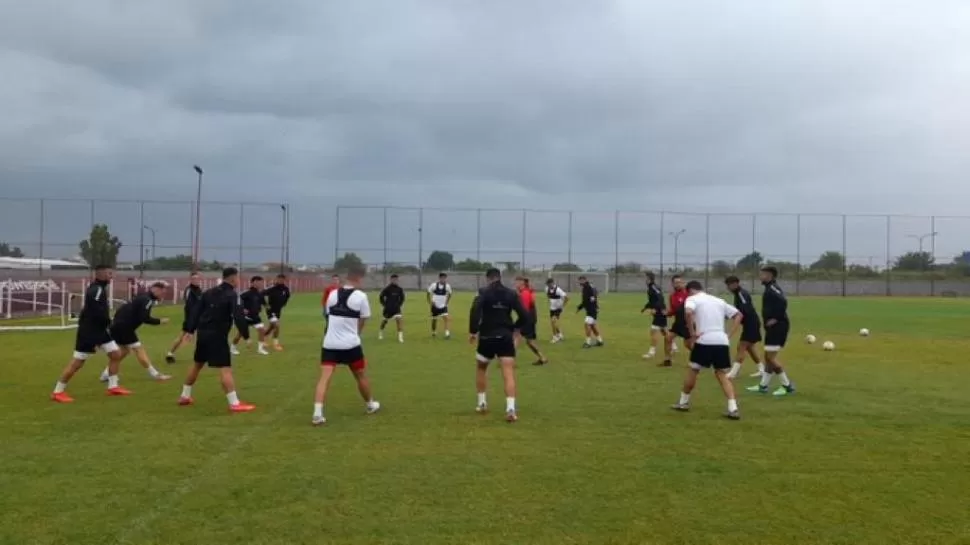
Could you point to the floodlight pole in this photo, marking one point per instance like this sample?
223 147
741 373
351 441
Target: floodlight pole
152 231
283 238
676 235
198 217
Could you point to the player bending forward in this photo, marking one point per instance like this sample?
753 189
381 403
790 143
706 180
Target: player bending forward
774 310
348 309
657 308
124 329
590 303
439 295
490 325
392 301
92 334
190 297
711 348
252 301
750 328
528 332
276 296
217 311
558 299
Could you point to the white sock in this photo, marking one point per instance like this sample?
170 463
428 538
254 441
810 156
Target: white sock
104 374
113 381
170 353
186 391
732 405
276 342
447 333
510 404
761 367
317 410
765 379
481 398
152 371
783 376
684 399
233 398
599 338
652 350
589 340
400 336
262 345
60 387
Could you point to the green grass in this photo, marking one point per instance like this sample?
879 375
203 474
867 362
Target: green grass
873 449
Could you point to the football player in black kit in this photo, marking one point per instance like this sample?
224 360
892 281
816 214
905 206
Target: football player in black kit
252 306
657 308
276 296
490 326
750 328
190 297
124 328
392 301
589 301
774 311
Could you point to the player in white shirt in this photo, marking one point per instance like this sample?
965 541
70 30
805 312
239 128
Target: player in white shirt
439 295
711 344
348 310
557 301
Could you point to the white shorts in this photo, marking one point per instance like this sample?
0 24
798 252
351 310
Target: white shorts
590 320
273 319
258 326
773 348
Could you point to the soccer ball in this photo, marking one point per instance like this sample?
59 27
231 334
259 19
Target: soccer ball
828 346
864 332
810 339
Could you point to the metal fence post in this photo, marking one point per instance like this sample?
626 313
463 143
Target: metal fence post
40 258
478 235
141 239
569 239
932 255
889 221
384 268
336 237
420 247
798 254
242 234
707 251
845 258
616 248
754 245
662 269
522 264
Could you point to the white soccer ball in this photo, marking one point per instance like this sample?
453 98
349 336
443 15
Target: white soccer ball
828 346
864 332
810 339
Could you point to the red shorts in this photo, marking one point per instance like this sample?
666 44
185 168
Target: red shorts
351 357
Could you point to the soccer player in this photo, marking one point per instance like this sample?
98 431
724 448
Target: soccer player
392 301
657 308
439 294
124 328
190 297
528 332
705 315
277 296
558 299
252 302
679 327
217 311
92 334
750 327
490 326
774 310
349 310
590 303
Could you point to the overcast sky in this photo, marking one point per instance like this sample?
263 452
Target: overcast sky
705 106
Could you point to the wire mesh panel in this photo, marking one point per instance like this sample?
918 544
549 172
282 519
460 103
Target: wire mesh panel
360 231
218 234
168 235
450 237
403 237
951 250
821 253
639 239
261 231
776 239
684 243
20 225
594 240
124 220
866 255
911 240
734 248
547 239
502 238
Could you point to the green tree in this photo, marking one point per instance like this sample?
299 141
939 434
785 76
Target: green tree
7 251
914 261
472 265
101 247
630 267
510 266
181 262
399 268
721 268
862 271
440 260
786 269
750 262
566 267
347 261
829 261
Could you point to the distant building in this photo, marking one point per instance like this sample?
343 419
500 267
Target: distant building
34 263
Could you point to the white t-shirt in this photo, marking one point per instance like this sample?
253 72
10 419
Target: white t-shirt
557 304
439 301
709 315
343 332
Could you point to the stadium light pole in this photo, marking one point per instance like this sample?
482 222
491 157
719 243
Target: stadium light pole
198 217
152 231
283 238
921 238
676 235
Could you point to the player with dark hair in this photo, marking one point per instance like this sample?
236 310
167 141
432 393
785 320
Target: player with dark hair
392 301
558 298
490 326
527 295
276 296
190 297
774 310
93 334
252 301
590 303
750 327
679 327
705 315
657 308
348 309
219 308
124 328
439 295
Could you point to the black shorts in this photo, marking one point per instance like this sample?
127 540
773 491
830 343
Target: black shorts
274 314
125 336
528 332
751 332
88 340
555 313
490 348
659 322
706 356
436 312
679 328
777 335
392 312
212 349
351 357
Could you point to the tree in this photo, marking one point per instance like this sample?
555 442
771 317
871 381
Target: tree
630 267
7 251
829 261
785 268
347 261
750 262
510 266
398 268
101 247
181 262
914 261
862 271
440 261
472 265
721 268
566 267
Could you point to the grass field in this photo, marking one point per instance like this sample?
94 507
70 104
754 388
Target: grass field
874 448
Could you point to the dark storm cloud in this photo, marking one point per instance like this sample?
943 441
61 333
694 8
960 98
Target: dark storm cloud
805 105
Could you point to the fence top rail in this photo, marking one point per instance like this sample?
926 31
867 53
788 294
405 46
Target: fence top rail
142 201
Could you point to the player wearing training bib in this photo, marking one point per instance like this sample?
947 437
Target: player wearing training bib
439 295
557 302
